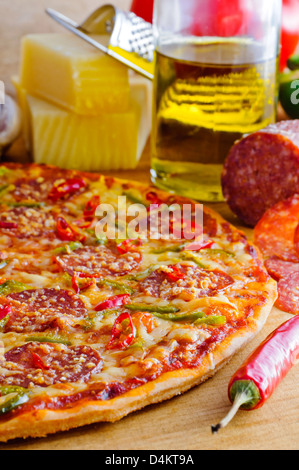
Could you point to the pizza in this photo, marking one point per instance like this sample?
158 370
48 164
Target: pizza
93 328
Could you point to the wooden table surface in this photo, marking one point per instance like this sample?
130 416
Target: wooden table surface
182 423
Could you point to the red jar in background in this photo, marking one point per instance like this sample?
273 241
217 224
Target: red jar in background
144 9
289 30
230 22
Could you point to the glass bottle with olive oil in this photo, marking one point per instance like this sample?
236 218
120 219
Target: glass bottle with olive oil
208 93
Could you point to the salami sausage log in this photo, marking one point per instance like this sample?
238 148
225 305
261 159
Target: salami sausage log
279 269
261 170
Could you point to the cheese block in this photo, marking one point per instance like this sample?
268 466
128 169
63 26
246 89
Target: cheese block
142 95
109 141
67 71
106 142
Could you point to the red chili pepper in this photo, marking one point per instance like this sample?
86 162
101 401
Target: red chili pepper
75 280
128 245
89 212
68 233
87 275
197 246
123 326
38 362
8 225
112 302
67 188
176 274
75 284
109 181
153 198
220 18
179 228
4 311
90 208
260 375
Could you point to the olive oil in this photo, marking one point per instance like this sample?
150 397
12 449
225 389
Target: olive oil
206 96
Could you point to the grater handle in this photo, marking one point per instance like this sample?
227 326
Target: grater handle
75 29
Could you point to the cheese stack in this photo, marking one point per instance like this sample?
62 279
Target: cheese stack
82 109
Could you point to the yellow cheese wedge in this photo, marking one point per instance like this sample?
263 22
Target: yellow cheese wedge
142 97
65 70
106 142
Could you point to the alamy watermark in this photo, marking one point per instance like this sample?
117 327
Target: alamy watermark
156 222
295 94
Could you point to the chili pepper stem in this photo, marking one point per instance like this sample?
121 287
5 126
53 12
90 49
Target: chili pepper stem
240 399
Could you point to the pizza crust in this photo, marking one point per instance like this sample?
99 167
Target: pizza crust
44 422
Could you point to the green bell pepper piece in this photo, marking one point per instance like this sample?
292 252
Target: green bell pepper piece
152 308
12 403
170 249
116 285
88 323
189 256
6 188
192 317
49 339
10 286
293 62
4 171
140 276
72 246
214 320
4 263
3 322
135 197
213 251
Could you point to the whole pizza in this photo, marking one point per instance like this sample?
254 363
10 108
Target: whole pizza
93 328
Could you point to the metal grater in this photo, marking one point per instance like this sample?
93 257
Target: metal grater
122 35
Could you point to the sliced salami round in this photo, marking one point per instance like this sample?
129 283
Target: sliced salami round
261 170
288 294
45 364
192 283
38 183
274 234
42 309
278 268
100 261
33 189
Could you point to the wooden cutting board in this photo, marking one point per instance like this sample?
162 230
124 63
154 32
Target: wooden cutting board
182 423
